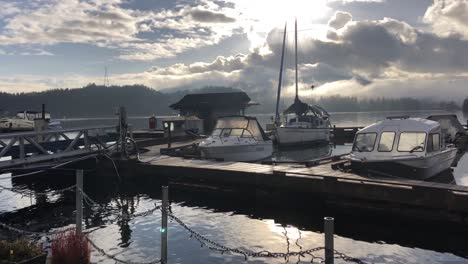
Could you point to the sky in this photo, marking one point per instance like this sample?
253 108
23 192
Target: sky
364 48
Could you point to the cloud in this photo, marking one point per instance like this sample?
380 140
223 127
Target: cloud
207 16
107 24
370 56
339 20
448 17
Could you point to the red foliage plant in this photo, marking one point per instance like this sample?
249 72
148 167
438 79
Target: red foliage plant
71 248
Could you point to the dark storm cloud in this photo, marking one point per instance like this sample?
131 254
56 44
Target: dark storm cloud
206 16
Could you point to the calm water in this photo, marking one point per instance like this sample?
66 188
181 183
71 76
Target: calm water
249 219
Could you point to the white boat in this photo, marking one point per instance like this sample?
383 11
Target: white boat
24 121
402 147
311 124
237 138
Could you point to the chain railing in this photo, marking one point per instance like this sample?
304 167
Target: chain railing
203 240
213 245
113 256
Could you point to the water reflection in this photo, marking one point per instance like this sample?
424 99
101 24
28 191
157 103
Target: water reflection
256 219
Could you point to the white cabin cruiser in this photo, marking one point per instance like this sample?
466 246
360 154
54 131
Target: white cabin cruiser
237 138
311 124
23 121
402 147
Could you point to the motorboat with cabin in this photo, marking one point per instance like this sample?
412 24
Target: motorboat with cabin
310 125
237 138
22 121
402 147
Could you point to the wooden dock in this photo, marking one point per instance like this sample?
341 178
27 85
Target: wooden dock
443 201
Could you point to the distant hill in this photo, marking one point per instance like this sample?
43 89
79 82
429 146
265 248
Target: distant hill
100 101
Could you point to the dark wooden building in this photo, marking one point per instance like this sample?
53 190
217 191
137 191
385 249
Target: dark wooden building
210 106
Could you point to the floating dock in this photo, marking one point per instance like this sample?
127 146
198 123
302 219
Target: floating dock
428 200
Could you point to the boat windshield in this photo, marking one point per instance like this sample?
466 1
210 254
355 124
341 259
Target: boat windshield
364 142
239 127
412 142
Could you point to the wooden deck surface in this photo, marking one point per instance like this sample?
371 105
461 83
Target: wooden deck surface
322 179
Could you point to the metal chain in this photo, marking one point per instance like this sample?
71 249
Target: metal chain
31 193
204 241
88 200
104 253
343 256
213 245
26 232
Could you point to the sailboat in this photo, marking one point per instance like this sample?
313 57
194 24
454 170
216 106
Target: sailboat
311 124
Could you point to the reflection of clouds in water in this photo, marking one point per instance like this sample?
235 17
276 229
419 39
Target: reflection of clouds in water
11 201
460 172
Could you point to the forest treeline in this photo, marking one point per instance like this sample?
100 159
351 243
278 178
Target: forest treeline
100 101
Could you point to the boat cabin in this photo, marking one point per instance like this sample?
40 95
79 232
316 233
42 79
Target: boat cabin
398 136
31 115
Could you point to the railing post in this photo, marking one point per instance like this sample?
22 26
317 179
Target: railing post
165 205
21 148
328 232
79 200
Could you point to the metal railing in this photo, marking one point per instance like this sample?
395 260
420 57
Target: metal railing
32 147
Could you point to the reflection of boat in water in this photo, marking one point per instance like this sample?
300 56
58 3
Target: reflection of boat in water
237 138
402 147
302 154
310 125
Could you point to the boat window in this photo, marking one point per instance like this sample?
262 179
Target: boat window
216 132
226 132
236 132
433 143
412 141
386 141
246 134
364 142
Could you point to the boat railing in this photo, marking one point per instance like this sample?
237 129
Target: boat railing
398 117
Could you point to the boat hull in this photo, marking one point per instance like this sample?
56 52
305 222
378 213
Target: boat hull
15 125
295 136
254 152
414 168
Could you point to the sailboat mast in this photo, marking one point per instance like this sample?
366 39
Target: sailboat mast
295 51
278 96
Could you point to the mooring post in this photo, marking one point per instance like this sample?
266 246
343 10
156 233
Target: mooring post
165 206
79 200
123 126
328 231
169 134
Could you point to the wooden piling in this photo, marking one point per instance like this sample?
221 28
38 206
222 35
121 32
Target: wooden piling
328 232
79 200
165 204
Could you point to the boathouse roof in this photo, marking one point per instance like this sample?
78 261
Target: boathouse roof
238 100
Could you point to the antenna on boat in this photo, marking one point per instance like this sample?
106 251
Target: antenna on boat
278 96
295 51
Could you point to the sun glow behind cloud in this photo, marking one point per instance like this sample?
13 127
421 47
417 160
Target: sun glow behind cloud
261 16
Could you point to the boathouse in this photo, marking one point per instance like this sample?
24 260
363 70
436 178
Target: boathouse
210 106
